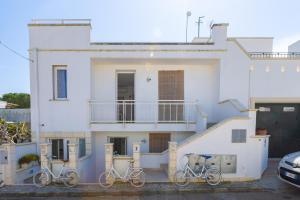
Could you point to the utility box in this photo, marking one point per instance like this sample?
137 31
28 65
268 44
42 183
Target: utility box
228 164
214 162
3 157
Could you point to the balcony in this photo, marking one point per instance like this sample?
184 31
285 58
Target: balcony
162 115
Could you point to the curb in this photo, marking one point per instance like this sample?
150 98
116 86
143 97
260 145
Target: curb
127 192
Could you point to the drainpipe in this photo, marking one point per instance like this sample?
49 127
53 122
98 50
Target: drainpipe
36 88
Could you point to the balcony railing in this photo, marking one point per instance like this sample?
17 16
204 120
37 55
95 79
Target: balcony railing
275 55
131 111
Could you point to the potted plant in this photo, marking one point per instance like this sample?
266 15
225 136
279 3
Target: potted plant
27 160
261 131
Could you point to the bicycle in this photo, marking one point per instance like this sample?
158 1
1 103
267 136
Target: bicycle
211 175
1 182
69 177
135 176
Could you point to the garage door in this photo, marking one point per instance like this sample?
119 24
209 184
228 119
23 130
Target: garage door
283 124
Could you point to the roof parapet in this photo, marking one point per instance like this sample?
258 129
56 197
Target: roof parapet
60 22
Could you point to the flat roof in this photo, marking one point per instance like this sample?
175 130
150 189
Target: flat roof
151 43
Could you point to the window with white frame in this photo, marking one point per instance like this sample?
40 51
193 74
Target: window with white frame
60 150
60 82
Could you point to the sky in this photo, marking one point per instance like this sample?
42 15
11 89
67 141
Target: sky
141 21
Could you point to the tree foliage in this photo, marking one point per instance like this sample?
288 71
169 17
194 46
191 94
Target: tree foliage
21 99
14 132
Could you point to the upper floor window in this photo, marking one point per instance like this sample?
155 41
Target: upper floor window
60 82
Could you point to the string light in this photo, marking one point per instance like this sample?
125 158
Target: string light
282 69
298 69
252 68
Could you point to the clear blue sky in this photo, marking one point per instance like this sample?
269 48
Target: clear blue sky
140 20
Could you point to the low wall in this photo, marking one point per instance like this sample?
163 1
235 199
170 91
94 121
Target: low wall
12 172
154 160
121 163
15 115
23 149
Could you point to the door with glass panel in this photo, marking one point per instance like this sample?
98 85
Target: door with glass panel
125 97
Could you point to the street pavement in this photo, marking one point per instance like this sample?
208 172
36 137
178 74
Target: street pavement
293 195
269 187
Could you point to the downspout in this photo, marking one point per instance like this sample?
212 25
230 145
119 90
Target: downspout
36 67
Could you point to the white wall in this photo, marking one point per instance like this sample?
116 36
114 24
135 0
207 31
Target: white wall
234 76
259 44
59 37
275 84
72 114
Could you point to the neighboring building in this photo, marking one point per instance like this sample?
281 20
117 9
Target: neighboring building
3 104
202 95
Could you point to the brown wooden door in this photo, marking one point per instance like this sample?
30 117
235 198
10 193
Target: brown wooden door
158 142
171 87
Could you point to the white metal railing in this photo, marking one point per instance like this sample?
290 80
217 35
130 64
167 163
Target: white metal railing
61 21
274 55
131 111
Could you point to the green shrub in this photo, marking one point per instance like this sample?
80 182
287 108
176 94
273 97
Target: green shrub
28 158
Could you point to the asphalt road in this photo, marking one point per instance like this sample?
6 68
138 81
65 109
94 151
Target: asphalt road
289 195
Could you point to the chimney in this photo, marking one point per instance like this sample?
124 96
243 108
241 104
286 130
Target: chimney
219 34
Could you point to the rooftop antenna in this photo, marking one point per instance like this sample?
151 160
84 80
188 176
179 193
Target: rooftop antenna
188 14
199 22
210 28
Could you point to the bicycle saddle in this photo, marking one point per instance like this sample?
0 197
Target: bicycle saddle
206 156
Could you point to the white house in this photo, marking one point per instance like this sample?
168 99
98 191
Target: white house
200 96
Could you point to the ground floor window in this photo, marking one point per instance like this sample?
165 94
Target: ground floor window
120 145
82 147
60 150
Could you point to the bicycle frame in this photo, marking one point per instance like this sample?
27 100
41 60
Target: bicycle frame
52 174
188 169
115 173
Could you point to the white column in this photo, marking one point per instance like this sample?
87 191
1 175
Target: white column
172 160
73 155
11 167
45 154
136 154
108 155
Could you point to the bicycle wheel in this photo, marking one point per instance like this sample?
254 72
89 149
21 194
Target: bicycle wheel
182 178
41 179
137 178
106 179
1 184
71 178
213 176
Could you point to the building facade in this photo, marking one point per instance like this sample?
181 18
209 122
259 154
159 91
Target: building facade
200 97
